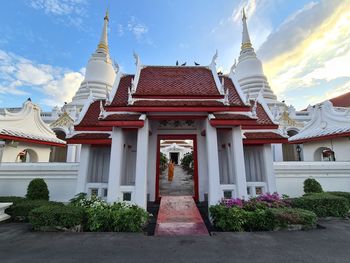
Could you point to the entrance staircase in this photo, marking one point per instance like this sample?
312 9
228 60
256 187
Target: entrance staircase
179 216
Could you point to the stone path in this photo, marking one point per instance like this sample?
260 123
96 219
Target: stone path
182 183
179 216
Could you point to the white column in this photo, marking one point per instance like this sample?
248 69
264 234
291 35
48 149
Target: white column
238 162
214 193
115 164
71 153
77 153
141 166
83 168
277 152
2 147
268 169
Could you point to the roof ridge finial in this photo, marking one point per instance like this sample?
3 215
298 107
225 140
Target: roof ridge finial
107 15
243 15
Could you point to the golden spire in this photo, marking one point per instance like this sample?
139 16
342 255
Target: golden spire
103 44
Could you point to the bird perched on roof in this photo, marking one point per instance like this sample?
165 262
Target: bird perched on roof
184 64
195 63
177 62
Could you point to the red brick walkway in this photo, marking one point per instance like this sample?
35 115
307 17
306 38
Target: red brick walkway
178 216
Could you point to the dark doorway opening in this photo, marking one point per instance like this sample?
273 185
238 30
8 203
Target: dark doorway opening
174 157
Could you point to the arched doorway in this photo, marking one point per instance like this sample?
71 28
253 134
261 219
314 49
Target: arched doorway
59 154
324 154
27 156
291 152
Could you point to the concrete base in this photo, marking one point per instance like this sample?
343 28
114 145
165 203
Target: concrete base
179 216
3 207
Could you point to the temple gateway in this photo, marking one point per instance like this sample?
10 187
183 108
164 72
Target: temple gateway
121 126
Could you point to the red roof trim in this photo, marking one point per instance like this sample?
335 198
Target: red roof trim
259 127
217 123
320 138
177 117
177 109
21 139
127 124
178 96
92 128
264 141
89 141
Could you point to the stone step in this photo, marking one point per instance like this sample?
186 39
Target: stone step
179 215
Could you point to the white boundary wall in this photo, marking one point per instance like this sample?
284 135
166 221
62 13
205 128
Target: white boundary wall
290 176
61 178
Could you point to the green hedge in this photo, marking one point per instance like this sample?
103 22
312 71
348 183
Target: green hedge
342 194
20 211
259 220
50 216
118 217
11 199
238 219
228 219
322 204
293 216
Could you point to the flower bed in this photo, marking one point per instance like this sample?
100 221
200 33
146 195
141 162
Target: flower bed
264 213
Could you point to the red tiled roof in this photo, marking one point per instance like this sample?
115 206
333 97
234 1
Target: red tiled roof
176 81
122 117
121 97
91 117
263 117
341 101
234 97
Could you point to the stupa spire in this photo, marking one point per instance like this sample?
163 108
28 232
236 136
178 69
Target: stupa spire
246 44
103 44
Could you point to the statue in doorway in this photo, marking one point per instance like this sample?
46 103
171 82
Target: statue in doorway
170 171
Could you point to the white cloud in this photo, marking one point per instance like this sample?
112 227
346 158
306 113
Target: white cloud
20 76
138 29
71 10
310 49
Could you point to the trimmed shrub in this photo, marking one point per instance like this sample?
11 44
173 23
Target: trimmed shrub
11 199
259 220
312 186
342 194
293 216
228 219
322 204
37 190
20 211
54 216
118 217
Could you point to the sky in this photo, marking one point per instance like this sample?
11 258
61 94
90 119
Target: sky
45 44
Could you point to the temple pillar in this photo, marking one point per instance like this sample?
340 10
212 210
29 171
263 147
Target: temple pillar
71 153
142 166
2 147
83 168
238 162
115 164
277 152
214 193
268 169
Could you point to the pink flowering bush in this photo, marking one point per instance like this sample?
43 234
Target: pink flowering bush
260 202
